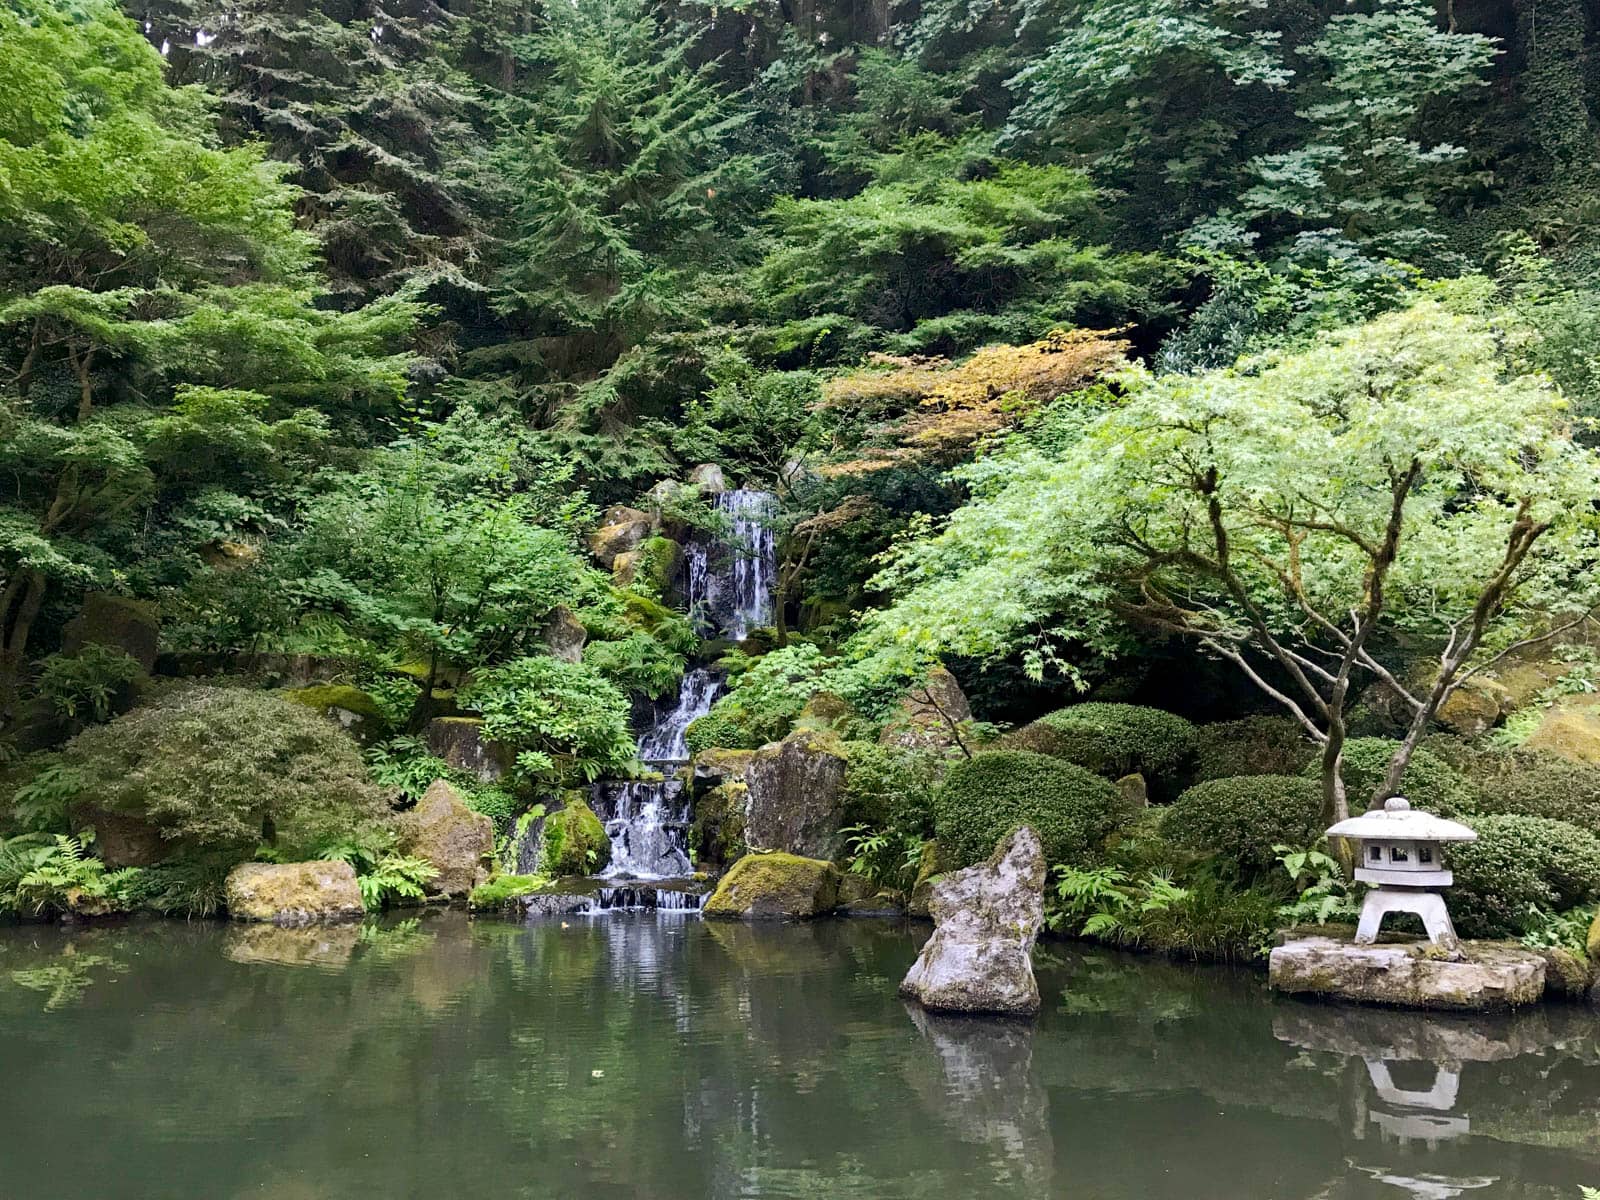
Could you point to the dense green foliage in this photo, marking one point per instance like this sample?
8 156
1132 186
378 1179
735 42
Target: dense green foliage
984 798
1071 340
1112 739
228 767
1242 820
1519 868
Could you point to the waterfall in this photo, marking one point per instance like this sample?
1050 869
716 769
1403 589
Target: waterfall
731 581
648 822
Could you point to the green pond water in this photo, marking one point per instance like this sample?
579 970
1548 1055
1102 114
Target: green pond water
661 1057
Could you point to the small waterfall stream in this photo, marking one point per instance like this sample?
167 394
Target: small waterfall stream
730 581
730 592
648 822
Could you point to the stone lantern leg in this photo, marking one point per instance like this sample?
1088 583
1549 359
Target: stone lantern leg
1430 906
1402 854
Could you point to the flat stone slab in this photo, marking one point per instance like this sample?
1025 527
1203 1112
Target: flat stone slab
1404 975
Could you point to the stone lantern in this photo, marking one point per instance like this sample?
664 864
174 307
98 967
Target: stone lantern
1402 852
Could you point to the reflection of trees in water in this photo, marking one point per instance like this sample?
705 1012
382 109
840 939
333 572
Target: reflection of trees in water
659 1057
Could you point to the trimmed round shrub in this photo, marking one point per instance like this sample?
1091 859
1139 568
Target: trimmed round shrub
985 797
1429 783
1529 783
1252 746
716 731
228 767
1518 864
1110 739
1243 818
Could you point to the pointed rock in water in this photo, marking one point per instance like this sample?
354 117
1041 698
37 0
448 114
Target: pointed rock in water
448 834
987 917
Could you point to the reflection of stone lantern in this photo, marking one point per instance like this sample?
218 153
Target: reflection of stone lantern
1402 852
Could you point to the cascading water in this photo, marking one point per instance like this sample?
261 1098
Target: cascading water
730 582
648 822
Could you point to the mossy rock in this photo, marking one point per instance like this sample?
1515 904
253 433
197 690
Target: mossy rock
325 697
929 868
717 834
294 893
775 886
504 890
1570 728
573 841
1594 940
120 622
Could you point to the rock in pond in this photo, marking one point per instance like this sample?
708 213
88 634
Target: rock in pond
448 834
796 796
775 887
979 959
293 893
1407 975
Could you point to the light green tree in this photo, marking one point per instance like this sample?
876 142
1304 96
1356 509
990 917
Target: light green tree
1299 516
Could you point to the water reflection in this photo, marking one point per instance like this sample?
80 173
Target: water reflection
662 1058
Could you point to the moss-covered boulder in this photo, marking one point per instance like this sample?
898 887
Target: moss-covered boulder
569 840
716 835
293 893
931 865
460 742
708 479
122 839
1594 940
458 842
354 709
120 622
651 568
930 716
775 887
622 530
795 799
1570 728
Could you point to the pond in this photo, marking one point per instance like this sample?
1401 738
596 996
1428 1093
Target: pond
661 1057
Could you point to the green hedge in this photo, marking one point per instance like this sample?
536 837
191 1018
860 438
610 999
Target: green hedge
1530 783
717 731
1253 746
1118 739
1243 818
1517 864
1429 783
985 797
890 787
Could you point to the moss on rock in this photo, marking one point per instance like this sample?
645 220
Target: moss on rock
500 891
325 697
717 834
293 893
775 886
573 841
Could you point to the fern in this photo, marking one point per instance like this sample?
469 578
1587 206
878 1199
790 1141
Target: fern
395 877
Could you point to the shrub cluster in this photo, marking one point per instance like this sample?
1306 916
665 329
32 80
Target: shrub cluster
717 731
1529 783
985 797
1429 783
1111 739
1260 745
228 767
890 787
1517 865
1243 818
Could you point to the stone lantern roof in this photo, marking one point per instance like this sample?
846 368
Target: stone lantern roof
1398 822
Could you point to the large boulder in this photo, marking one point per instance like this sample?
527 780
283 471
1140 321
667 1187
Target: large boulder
775 887
930 715
622 530
979 959
1571 728
458 842
564 635
119 622
570 840
293 893
1594 940
1408 975
708 478
460 742
796 796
